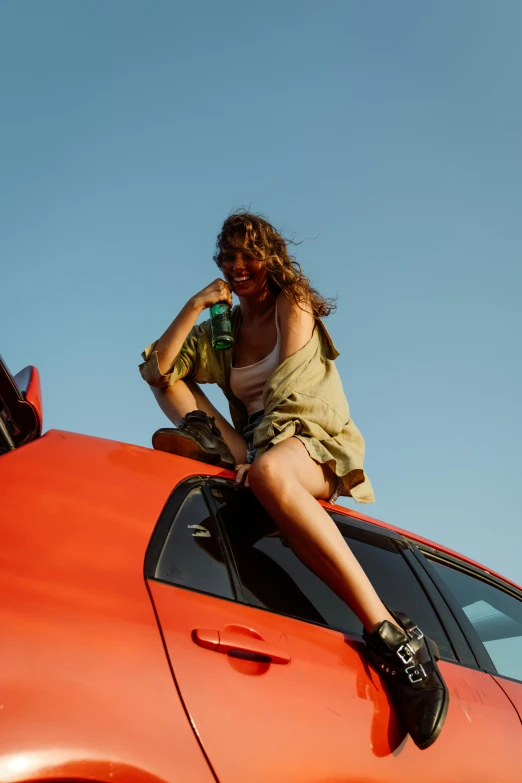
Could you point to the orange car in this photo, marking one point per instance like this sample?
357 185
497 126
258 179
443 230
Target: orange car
156 627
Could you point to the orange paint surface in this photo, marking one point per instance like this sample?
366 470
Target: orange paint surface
324 715
86 689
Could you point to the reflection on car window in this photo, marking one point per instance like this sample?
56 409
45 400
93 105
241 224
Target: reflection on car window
274 578
192 555
495 615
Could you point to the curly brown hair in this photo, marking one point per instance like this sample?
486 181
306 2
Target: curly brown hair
254 234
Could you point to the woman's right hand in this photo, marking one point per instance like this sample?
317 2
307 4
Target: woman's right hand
217 291
171 341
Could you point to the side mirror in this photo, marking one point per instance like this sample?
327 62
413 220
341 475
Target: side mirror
21 415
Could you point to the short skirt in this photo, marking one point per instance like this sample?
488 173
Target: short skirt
254 420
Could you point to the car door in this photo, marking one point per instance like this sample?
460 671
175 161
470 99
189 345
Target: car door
271 666
492 614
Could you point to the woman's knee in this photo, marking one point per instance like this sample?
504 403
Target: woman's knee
287 465
268 473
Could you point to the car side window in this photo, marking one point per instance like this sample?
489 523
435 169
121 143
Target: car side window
496 616
273 578
192 555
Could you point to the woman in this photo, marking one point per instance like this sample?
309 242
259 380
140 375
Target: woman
292 441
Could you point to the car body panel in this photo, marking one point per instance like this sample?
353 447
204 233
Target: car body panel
85 687
86 690
513 690
324 715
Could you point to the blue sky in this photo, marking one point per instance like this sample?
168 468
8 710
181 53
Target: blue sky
388 135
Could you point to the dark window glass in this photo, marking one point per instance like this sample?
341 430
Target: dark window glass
192 555
495 615
274 578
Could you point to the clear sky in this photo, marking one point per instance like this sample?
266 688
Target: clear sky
389 135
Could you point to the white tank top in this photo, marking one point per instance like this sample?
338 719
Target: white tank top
247 383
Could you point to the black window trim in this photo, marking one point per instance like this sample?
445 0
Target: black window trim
163 525
165 522
481 654
466 643
229 555
469 650
481 573
430 553
459 644
231 560
367 526
461 647
342 518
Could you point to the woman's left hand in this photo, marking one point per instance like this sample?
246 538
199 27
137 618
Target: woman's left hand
242 474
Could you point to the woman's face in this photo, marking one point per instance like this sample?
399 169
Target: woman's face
247 275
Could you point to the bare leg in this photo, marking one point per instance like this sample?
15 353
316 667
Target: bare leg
185 396
286 482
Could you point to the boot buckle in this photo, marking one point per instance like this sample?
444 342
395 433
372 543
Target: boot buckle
416 632
418 674
406 654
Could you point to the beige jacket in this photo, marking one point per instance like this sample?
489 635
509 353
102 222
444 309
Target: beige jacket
303 398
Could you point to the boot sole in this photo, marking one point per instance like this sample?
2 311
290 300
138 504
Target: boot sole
435 656
184 446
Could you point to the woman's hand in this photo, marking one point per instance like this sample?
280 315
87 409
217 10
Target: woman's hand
242 474
170 343
218 291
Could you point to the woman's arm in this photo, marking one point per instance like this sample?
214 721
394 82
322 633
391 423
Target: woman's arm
170 343
296 325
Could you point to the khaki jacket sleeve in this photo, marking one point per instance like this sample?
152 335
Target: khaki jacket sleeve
304 398
191 362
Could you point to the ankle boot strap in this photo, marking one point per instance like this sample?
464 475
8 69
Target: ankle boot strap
408 625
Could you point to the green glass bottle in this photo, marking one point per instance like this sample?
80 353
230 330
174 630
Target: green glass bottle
221 326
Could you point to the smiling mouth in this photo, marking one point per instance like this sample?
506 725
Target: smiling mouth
242 279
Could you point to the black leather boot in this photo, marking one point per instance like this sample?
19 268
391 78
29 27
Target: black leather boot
197 437
408 662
